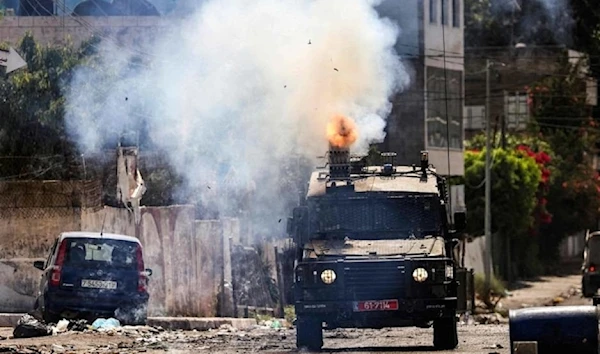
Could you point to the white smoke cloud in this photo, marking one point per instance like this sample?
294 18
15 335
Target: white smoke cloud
240 85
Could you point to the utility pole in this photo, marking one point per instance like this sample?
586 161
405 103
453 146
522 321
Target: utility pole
488 184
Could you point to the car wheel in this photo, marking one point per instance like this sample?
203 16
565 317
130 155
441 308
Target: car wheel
309 333
50 317
586 291
445 335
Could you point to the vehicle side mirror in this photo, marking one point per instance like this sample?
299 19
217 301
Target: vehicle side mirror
148 272
460 221
39 265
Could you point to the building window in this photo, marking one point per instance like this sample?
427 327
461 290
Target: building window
444 104
516 111
444 12
474 118
432 11
456 13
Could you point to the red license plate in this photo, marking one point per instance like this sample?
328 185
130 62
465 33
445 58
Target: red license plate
376 305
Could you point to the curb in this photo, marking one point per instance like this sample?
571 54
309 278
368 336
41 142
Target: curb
171 323
10 319
200 323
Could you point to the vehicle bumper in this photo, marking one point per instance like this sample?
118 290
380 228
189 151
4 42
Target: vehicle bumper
410 312
62 301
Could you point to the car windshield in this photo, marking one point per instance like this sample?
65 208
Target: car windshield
392 217
101 252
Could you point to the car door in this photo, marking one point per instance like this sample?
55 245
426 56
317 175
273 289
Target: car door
43 283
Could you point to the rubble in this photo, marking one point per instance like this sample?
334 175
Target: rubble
29 327
489 318
106 324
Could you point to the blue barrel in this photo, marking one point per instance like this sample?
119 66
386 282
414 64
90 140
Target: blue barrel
566 329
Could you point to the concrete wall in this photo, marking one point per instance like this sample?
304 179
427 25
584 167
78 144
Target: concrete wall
188 257
475 254
126 30
572 247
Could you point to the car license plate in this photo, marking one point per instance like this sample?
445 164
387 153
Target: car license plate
98 284
376 305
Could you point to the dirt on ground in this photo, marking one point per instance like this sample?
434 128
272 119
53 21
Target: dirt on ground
473 338
478 334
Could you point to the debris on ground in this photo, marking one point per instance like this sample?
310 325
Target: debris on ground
29 327
489 318
61 327
79 325
106 324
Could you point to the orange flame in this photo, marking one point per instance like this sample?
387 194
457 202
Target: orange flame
341 131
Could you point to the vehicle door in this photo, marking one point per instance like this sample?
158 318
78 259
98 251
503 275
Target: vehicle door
43 282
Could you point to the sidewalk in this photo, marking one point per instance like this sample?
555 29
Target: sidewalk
543 291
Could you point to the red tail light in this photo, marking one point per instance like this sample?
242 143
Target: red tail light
55 273
142 280
592 268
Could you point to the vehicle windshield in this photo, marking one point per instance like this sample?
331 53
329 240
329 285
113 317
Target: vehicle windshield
377 218
101 252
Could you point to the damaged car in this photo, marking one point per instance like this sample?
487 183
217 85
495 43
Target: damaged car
90 275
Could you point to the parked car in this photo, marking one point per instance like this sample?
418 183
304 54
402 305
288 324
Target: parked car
590 281
90 275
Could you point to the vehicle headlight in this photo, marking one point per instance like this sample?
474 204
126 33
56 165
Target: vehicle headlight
449 272
328 276
420 275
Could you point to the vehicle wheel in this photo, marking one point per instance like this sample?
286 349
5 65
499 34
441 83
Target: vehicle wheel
37 311
50 317
445 335
309 333
586 291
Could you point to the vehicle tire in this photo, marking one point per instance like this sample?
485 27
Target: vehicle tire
309 333
445 335
586 291
50 317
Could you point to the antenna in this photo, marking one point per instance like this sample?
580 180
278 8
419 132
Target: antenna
103 221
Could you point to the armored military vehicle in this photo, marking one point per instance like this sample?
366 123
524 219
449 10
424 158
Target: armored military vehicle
374 250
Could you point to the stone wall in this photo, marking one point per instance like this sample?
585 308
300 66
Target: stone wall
122 30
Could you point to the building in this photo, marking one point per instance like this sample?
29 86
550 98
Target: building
512 71
429 114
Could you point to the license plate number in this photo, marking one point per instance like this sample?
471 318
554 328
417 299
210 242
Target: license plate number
376 305
98 284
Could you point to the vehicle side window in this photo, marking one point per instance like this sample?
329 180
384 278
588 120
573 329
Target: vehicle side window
52 250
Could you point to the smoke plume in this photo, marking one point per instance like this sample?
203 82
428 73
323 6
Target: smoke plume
239 86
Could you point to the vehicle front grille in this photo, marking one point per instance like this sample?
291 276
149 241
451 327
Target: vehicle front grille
374 280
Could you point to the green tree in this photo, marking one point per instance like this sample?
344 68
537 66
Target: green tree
562 117
515 180
33 139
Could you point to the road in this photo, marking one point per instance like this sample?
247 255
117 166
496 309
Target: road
473 339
